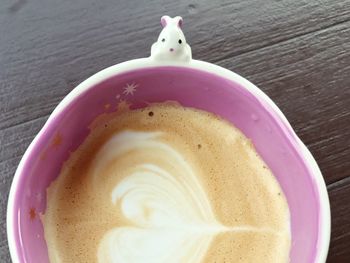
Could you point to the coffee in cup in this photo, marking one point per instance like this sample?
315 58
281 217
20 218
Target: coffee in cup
166 184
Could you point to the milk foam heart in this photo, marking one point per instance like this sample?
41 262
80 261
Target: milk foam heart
171 218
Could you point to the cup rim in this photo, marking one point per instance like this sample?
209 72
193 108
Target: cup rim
324 228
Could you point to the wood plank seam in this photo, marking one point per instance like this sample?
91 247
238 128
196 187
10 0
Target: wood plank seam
5 128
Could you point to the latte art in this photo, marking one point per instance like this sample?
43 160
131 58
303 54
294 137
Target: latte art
170 215
145 189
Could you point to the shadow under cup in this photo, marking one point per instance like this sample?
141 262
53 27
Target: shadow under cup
253 113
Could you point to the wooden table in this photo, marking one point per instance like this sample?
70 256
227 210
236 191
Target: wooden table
297 51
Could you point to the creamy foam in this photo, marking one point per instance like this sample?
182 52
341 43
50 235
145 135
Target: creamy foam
163 200
166 187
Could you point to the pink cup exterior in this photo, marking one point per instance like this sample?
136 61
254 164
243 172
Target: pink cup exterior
247 108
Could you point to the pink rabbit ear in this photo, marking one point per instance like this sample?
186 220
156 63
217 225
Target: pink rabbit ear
164 20
179 21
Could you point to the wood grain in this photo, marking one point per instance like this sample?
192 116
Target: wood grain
295 51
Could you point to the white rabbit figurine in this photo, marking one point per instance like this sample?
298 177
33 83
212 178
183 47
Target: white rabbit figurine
171 44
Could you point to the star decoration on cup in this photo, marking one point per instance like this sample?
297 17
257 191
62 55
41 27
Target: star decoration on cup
57 140
129 89
123 105
43 155
32 213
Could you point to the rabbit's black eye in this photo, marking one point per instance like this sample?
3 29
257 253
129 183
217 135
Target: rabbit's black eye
180 41
163 40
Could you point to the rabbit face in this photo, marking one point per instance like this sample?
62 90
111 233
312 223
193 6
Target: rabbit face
171 43
172 40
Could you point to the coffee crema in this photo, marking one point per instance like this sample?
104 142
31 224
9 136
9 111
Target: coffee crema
166 184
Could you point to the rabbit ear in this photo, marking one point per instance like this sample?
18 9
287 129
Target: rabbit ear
165 20
179 21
